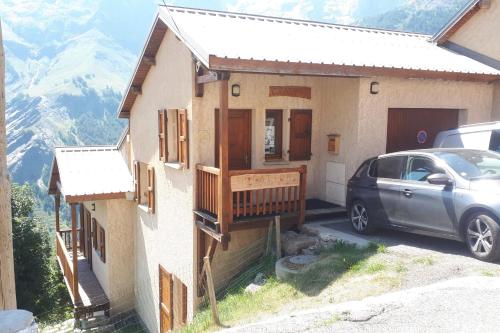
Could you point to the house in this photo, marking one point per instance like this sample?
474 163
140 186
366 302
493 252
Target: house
235 119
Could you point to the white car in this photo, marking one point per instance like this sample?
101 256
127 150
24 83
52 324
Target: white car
484 136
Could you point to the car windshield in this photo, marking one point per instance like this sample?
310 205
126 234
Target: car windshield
473 164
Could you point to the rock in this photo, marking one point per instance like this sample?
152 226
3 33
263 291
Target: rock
308 251
252 288
260 279
293 243
287 267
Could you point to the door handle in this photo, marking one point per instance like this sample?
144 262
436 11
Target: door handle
407 193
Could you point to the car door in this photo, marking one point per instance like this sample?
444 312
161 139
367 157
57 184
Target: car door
385 188
425 206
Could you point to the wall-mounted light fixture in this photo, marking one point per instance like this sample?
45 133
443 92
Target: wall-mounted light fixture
374 88
235 90
93 207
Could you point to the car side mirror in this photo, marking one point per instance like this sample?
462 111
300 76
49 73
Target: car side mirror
439 179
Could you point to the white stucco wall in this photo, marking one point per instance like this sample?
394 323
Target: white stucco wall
166 237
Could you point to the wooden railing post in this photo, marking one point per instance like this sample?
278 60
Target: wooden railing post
76 294
302 195
81 242
57 204
225 211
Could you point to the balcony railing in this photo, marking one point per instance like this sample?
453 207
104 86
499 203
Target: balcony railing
254 193
66 264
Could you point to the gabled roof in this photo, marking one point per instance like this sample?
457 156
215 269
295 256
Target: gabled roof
224 41
469 10
90 173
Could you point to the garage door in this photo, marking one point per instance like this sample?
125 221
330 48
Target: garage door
417 128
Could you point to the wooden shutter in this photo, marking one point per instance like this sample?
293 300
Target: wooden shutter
94 233
151 189
182 138
300 135
102 248
166 301
137 181
184 303
162 135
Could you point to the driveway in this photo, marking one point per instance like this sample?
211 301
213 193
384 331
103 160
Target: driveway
426 259
459 305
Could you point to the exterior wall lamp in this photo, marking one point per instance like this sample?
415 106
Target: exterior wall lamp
235 90
93 207
374 88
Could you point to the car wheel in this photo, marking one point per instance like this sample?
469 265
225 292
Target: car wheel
482 237
360 218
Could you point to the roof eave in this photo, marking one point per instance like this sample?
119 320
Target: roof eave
314 69
456 22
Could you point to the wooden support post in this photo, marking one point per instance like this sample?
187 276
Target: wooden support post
302 195
210 255
225 212
269 237
75 253
277 221
82 230
201 256
57 205
211 291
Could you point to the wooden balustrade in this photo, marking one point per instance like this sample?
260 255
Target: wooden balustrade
65 263
66 237
207 180
268 192
255 192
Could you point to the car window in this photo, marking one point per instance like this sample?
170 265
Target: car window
419 168
387 167
362 170
495 141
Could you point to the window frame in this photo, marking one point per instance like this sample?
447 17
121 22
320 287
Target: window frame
179 139
277 114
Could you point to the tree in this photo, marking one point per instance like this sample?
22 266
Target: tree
39 285
7 285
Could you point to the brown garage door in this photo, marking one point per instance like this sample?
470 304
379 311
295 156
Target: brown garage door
417 128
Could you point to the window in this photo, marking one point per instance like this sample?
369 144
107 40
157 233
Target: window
173 136
99 239
273 140
495 141
419 168
173 301
387 167
362 169
300 135
144 182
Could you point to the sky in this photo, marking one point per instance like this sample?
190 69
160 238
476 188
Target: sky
338 11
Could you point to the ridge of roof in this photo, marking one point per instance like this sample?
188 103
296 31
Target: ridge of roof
466 9
278 19
77 149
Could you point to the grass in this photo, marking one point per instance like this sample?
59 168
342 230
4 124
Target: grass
341 263
428 260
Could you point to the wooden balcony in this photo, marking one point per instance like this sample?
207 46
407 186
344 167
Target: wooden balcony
85 291
254 195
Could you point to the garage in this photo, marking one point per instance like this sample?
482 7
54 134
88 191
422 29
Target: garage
417 128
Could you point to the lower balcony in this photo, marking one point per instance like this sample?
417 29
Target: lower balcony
86 293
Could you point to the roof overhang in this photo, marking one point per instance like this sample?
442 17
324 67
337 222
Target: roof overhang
312 69
459 20
81 174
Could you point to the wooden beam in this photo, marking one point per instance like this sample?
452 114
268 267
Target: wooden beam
149 60
212 77
277 222
312 69
199 89
76 294
57 205
136 90
224 213
94 197
211 291
82 228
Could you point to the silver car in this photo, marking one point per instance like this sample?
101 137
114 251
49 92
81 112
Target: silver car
449 193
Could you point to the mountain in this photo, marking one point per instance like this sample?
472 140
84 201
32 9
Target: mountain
426 17
68 62
67 66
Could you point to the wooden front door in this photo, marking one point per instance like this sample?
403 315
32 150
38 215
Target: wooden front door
417 128
166 301
240 139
